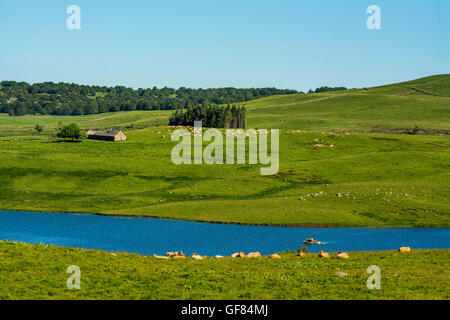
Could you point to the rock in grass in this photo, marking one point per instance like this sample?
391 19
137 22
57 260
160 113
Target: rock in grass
341 274
404 249
275 256
311 241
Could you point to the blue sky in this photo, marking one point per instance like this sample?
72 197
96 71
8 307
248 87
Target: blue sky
294 44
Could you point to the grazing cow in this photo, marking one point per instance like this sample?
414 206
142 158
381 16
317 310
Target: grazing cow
275 256
176 254
301 254
238 255
254 255
404 249
323 254
197 257
342 255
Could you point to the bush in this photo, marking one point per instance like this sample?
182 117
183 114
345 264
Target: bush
39 128
71 131
303 248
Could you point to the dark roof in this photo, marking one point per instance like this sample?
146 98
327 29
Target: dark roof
107 133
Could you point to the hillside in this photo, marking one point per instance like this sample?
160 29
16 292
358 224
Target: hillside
358 110
437 85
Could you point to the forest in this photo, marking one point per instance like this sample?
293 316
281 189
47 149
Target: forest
212 116
326 89
20 98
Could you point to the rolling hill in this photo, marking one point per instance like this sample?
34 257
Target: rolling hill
358 110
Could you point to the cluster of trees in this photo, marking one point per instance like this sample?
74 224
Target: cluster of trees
212 116
19 98
325 89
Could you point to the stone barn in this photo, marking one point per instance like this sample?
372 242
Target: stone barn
108 135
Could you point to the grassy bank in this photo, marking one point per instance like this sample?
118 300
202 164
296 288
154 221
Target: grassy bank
39 272
364 180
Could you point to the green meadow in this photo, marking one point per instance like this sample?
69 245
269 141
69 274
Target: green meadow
366 176
24 125
39 272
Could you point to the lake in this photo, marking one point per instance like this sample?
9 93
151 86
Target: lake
147 235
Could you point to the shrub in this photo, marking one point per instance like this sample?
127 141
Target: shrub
39 128
71 131
304 248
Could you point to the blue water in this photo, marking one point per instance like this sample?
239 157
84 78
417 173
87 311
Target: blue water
147 236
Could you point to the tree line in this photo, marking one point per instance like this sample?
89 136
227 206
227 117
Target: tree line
212 116
20 98
326 89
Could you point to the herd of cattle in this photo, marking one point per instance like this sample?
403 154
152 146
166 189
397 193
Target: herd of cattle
322 254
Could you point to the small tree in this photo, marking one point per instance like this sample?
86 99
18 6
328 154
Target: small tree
71 131
303 248
39 128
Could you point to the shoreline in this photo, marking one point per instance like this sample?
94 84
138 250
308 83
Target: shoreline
284 253
294 225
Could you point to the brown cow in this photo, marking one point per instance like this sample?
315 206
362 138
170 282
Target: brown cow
301 254
323 254
254 255
342 255
197 257
178 254
238 255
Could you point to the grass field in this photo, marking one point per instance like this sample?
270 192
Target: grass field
39 272
366 179
24 125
